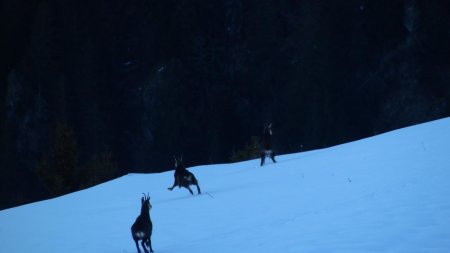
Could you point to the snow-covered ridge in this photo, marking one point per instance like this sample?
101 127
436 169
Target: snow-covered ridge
388 193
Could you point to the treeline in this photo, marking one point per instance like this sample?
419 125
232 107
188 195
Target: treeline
91 90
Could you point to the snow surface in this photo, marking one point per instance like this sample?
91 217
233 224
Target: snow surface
389 193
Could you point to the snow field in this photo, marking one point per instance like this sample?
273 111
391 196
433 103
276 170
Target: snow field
388 193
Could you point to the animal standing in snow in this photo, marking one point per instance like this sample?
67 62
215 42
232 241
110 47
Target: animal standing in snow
142 227
183 177
267 145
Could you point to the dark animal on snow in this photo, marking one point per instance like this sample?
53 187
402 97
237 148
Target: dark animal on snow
267 145
183 177
141 230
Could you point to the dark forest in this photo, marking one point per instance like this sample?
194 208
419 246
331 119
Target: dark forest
92 90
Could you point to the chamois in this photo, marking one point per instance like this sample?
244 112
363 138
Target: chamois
183 177
142 227
267 145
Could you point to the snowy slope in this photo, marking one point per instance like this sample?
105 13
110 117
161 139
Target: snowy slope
389 193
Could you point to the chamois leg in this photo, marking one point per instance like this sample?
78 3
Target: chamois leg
137 246
263 158
195 182
150 244
189 188
272 156
198 189
143 246
174 184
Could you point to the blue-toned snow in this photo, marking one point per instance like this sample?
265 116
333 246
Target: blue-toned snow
389 193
